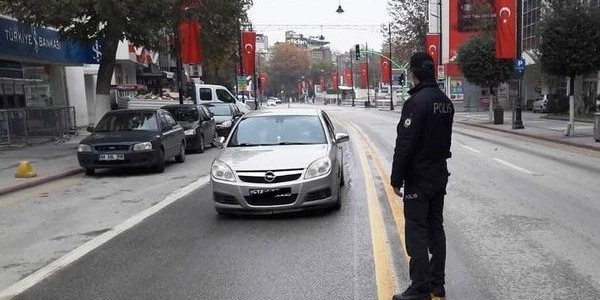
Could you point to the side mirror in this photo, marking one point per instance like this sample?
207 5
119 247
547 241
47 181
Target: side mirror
212 114
90 128
342 137
221 142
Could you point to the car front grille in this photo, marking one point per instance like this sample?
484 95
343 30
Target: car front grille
278 179
262 200
318 195
109 148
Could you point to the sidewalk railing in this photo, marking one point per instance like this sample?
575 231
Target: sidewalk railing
19 125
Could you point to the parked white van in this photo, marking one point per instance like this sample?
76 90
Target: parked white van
211 92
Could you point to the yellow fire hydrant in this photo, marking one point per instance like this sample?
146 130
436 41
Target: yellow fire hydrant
25 170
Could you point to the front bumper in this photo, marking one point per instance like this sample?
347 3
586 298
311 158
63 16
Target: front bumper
144 159
235 198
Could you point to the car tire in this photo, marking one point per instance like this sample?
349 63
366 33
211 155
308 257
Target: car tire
343 179
215 139
90 171
201 147
160 162
180 158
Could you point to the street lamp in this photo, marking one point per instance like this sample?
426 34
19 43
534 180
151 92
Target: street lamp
340 10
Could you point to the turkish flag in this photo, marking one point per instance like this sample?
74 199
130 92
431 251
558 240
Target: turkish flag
335 80
385 70
506 28
191 49
432 43
263 81
322 82
348 77
364 75
248 52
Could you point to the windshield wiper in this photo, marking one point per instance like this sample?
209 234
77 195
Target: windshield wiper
247 145
293 143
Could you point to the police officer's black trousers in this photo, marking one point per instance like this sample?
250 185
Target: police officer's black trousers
424 235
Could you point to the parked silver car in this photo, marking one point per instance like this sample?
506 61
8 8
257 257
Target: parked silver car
280 161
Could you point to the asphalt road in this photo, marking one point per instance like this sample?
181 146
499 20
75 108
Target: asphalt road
521 219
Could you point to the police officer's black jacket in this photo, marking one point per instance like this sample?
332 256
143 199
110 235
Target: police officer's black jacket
424 138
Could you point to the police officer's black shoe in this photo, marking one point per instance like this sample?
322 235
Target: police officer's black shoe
437 290
413 293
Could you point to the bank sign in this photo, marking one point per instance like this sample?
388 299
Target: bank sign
17 39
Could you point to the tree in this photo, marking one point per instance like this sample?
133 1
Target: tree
288 64
108 21
409 27
570 43
476 58
219 36
321 68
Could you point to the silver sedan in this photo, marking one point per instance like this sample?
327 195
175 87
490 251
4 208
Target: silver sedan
280 161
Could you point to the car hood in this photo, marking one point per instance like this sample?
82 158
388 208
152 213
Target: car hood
221 119
272 157
119 137
189 125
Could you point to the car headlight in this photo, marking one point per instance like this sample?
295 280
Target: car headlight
142 146
226 124
222 171
319 167
190 132
84 148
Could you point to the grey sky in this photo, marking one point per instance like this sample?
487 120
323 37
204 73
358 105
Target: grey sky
322 12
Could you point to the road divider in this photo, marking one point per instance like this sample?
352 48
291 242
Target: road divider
50 269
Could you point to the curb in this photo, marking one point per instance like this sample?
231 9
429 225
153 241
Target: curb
554 140
566 119
39 181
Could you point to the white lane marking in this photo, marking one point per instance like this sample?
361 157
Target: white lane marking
470 149
516 167
46 271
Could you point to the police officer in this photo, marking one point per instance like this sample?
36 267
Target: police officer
422 148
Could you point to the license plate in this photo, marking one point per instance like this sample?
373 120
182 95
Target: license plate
111 157
275 193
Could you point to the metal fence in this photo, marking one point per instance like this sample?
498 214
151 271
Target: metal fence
19 125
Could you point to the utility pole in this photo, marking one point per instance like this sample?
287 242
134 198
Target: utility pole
179 67
368 83
337 78
517 116
352 77
390 68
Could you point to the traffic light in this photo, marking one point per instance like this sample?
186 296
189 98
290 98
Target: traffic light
357 51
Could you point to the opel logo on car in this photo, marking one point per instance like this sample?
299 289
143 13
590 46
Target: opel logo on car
270 176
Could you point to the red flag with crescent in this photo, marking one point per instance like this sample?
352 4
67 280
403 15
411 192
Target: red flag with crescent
385 70
432 43
335 80
263 81
364 75
191 49
506 28
348 77
248 52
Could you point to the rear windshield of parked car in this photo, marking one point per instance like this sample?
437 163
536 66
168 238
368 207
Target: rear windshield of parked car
278 130
184 114
128 121
220 110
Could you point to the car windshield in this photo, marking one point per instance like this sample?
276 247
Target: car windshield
129 121
278 130
220 110
183 114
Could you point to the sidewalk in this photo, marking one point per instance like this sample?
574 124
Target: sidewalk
50 160
536 126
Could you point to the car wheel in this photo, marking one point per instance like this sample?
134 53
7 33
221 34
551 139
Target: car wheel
90 171
201 148
180 158
215 139
160 162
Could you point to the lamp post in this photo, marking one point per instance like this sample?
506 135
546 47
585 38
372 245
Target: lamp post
337 78
352 78
517 116
390 68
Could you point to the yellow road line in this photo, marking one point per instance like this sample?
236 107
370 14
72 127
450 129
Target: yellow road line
384 274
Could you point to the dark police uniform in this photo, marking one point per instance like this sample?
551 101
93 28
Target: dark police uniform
422 148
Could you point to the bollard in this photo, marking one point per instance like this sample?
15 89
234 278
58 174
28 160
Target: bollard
25 170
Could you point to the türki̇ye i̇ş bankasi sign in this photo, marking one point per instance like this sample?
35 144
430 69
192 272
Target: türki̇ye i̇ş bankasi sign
42 44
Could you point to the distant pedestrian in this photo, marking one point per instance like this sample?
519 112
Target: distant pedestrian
422 148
